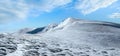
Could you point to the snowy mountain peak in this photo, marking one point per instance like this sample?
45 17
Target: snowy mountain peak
67 21
70 20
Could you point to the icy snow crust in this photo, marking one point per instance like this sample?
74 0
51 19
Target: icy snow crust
72 37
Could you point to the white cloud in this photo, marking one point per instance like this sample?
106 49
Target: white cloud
19 9
89 6
115 16
12 10
49 5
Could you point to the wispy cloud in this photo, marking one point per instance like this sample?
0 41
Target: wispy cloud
89 6
11 10
49 5
19 9
114 15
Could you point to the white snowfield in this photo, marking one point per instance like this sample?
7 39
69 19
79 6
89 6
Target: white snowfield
72 37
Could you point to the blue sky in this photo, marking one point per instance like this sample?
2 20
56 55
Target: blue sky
18 14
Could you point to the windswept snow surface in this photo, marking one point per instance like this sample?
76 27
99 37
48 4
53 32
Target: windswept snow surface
72 37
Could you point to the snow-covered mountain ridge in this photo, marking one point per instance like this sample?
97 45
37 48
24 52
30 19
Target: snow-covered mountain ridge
72 37
74 22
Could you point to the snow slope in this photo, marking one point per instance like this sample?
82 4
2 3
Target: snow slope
72 37
94 33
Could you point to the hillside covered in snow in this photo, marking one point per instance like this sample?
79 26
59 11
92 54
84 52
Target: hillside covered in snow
72 37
